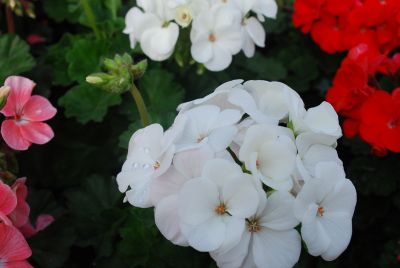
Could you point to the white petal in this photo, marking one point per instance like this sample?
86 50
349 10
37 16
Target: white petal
191 163
198 199
339 228
209 235
235 257
330 172
235 228
202 51
159 43
277 249
278 214
268 8
240 196
167 220
305 140
220 171
221 138
341 199
323 119
230 40
167 184
139 195
313 232
220 60
256 31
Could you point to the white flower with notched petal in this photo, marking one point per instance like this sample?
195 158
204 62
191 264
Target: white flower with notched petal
213 208
186 10
325 207
265 8
149 155
269 153
156 34
269 239
270 102
164 190
314 148
207 124
216 36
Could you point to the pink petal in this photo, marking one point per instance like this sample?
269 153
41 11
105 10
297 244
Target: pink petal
27 230
8 200
43 221
17 264
13 137
38 109
13 246
21 91
36 132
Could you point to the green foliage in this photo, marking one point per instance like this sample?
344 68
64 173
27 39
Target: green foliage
87 103
14 56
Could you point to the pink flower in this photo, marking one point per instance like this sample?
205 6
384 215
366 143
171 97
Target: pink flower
24 115
20 214
33 39
8 202
14 250
42 222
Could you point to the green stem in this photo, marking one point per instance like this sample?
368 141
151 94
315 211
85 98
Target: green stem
144 115
90 16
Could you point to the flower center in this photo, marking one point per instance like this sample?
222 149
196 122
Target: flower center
220 209
212 37
320 211
156 165
253 226
201 137
258 163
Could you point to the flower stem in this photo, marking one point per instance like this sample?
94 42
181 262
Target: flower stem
144 115
90 16
10 20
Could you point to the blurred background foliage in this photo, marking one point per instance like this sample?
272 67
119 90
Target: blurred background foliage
73 177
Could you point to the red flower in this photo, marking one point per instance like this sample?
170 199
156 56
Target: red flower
8 202
20 215
380 117
306 12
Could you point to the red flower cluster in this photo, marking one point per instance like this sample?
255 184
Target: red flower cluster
339 25
356 94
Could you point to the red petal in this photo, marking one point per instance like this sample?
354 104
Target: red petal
21 91
18 264
13 137
38 109
36 132
13 246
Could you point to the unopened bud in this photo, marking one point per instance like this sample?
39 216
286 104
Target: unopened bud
92 79
4 92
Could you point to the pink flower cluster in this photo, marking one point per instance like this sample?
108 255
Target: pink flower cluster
15 225
25 115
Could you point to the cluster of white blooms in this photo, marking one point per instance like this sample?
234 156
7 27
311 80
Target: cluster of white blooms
219 28
241 168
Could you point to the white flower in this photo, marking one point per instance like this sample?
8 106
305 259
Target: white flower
314 148
269 153
270 102
207 124
325 207
186 10
149 155
165 188
156 34
321 119
269 239
213 208
216 36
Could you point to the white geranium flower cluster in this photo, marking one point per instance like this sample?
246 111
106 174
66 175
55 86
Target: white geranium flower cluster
220 28
239 170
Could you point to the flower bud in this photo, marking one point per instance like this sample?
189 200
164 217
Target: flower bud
120 72
4 92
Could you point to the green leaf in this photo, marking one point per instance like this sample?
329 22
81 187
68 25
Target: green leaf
57 10
87 103
94 213
14 56
85 57
164 95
